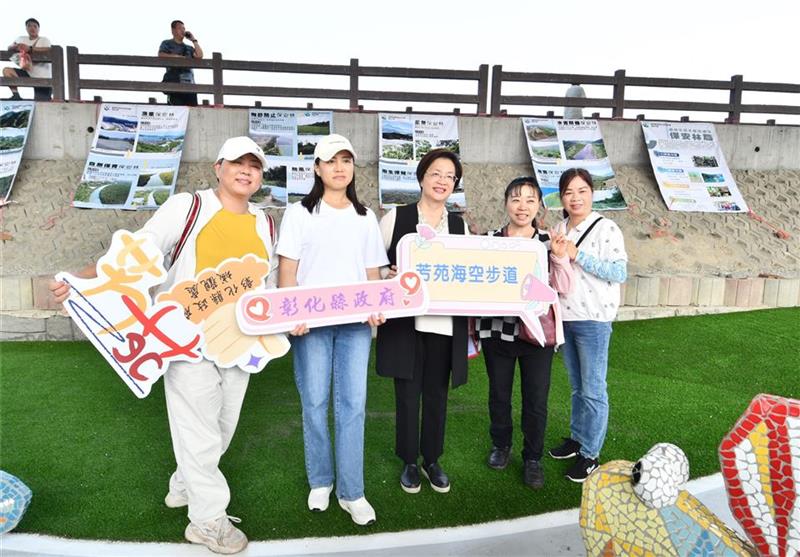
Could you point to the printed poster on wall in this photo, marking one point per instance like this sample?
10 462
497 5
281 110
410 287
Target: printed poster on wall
15 120
135 156
288 139
690 168
403 140
558 145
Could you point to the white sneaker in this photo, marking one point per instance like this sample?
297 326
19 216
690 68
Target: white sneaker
176 499
218 535
360 511
319 498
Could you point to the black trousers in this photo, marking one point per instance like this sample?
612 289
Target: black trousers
534 364
182 99
433 355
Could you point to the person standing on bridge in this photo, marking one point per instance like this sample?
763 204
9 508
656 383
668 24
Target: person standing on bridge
176 48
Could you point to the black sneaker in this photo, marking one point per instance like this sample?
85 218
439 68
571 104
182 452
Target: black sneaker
583 466
14 97
567 449
409 479
439 480
498 457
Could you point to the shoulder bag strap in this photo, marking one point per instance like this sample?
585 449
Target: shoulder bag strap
578 243
191 219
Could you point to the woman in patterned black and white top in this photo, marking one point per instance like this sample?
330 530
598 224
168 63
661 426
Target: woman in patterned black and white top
596 249
503 346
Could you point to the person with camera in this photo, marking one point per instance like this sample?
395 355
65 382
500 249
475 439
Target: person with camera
24 46
176 48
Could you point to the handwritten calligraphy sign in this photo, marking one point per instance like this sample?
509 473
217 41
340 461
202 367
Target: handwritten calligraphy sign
136 337
272 311
210 300
480 275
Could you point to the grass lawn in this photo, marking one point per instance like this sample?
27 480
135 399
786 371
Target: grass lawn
98 459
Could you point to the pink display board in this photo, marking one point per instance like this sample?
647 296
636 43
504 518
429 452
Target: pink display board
273 311
480 275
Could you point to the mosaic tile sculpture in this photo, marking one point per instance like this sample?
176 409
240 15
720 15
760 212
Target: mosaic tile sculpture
669 521
659 475
760 460
14 499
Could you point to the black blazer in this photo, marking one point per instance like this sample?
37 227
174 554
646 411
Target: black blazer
396 345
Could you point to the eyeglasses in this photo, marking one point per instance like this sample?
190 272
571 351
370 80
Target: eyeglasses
452 178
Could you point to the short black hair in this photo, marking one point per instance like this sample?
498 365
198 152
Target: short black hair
175 23
515 185
32 20
434 154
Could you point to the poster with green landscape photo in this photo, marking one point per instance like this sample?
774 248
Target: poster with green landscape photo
556 145
134 159
15 121
403 139
288 138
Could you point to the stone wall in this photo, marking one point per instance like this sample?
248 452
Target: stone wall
678 262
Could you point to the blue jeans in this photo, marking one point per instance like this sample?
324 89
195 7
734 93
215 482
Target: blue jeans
340 352
586 358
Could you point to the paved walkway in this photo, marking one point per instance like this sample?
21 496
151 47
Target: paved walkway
551 534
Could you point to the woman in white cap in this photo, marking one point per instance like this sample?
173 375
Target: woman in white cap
329 237
196 232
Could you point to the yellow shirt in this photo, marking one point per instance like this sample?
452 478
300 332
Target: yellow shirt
228 235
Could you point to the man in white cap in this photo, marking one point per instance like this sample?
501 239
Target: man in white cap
203 400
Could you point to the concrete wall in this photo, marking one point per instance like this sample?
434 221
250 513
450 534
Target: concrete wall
61 131
677 261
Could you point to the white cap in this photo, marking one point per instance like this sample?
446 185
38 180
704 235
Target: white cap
331 144
236 147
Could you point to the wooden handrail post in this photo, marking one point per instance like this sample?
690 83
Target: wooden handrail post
619 95
497 84
354 84
735 99
483 88
57 58
216 69
73 74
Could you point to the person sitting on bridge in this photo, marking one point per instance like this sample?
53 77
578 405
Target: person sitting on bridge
24 46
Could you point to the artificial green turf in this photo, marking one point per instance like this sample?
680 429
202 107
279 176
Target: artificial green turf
98 459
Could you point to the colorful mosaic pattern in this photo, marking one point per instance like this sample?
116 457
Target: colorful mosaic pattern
760 461
14 499
659 475
615 522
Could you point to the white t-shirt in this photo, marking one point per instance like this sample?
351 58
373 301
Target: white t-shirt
42 69
333 246
592 298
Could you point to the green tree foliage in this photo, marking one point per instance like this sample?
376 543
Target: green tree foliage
160 196
115 194
143 179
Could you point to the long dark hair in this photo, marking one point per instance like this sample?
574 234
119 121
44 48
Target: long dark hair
312 199
567 176
515 186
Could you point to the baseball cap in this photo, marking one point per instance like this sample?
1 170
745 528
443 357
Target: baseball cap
235 147
331 144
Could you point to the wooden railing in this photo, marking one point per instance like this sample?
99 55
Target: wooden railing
618 103
218 88
55 82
